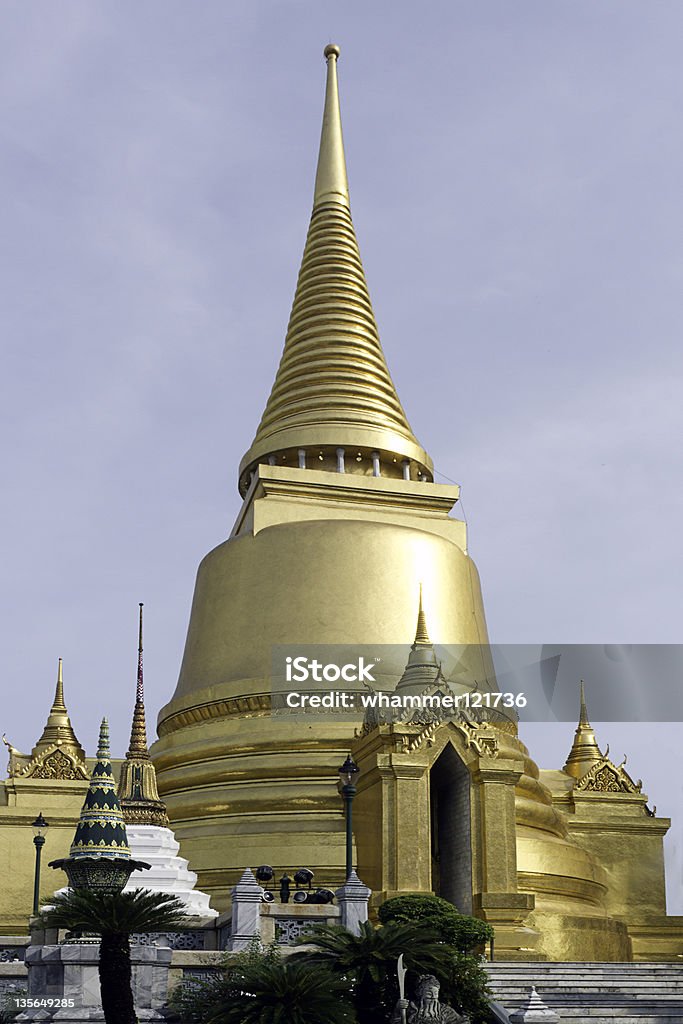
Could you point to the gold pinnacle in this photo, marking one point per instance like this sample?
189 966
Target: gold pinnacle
58 703
421 633
585 751
58 728
331 182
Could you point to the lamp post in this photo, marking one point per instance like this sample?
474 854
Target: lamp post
347 776
39 827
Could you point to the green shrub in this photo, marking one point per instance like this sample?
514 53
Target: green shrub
285 992
464 933
466 988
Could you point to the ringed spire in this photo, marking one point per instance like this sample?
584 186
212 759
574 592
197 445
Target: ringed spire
333 392
137 790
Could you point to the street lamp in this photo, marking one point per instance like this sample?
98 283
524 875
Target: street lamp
347 777
39 827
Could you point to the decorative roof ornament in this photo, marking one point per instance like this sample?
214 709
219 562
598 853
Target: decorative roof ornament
100 857
138 792
333 390
423 668
56 764
585 752
12 765
58 730
607 777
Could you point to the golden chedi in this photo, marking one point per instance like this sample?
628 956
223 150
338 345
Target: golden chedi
341 524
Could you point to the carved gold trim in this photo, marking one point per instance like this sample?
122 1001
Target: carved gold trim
55 763
607 777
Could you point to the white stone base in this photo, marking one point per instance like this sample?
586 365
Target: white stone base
169 872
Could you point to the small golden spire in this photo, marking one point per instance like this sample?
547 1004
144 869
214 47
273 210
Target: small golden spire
58 729
422 668
421 633
585 751
331 182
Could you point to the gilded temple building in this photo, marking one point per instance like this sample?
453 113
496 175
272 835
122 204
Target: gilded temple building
344 538
341 525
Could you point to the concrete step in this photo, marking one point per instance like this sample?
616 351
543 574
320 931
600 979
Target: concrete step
649 993
575 995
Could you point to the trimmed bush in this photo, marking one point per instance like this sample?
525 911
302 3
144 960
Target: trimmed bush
464 933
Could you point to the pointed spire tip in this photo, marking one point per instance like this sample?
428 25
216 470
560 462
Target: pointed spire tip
422 633
103 742
58 704
583 710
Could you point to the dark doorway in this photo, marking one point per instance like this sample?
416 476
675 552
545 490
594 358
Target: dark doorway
451 830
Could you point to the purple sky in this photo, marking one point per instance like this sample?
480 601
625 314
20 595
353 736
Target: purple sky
515 176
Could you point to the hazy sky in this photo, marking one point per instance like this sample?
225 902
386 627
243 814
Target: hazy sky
515 174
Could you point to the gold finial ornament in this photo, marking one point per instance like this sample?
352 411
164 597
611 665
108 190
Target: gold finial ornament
333 390
585 752
422 633
58 703
331 181
58 729
583 711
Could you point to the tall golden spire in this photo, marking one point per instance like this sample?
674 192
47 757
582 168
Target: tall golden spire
137 788
585 751
333 391
58 729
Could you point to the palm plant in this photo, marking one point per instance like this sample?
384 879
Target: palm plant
281 992
114 917
369 960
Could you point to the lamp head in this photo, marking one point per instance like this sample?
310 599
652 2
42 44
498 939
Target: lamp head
39 826
348 772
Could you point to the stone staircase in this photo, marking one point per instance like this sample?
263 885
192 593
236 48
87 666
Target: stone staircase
647 993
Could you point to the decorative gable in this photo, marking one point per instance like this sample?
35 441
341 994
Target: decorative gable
607 777
55 763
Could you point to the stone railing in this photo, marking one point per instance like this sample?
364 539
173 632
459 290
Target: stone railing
194 939
13 948
285 922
